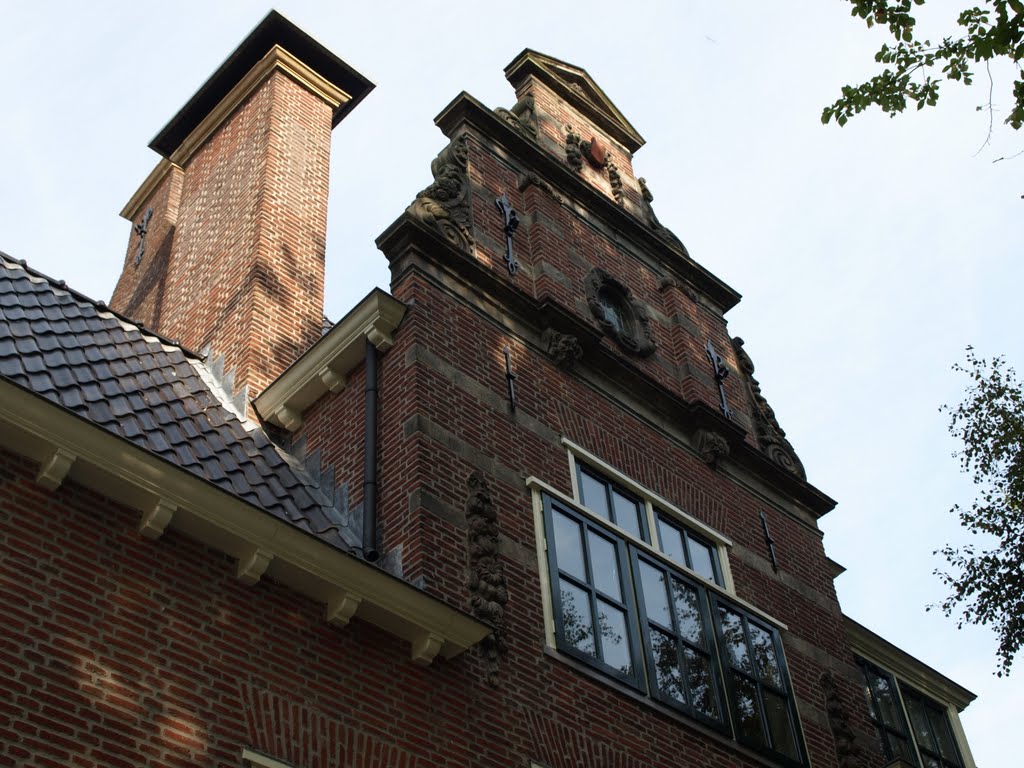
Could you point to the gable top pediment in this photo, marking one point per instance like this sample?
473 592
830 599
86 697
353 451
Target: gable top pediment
578 88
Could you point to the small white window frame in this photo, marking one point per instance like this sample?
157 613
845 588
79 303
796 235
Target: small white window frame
653 504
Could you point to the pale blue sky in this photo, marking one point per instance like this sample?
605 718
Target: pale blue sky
868 256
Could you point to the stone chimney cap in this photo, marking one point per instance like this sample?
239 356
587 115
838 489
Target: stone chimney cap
275 29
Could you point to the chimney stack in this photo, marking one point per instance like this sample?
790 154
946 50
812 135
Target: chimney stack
227 244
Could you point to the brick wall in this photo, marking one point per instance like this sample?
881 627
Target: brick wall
244 270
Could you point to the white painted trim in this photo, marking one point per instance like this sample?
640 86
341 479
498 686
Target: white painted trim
34 427
325 366
642 491
259 760
539 487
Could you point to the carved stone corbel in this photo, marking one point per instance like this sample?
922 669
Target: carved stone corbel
712 447
564 348
444 205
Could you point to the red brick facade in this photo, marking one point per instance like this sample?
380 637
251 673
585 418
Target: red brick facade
116 650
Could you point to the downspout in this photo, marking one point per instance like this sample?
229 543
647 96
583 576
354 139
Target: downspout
370 552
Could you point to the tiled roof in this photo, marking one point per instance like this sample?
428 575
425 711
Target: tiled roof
132 383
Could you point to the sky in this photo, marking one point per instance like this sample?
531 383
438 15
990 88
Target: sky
869 257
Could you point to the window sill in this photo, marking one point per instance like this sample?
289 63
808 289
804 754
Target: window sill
622 689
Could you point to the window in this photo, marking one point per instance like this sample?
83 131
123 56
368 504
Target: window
624 607
886 713
932 733
639 518
892 705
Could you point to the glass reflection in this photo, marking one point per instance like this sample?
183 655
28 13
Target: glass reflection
732 632
702 690
604 563
627 514
671 541
594 495
666 666
779 724
701 560
655 595
751 729
691 627
569 546
577 618
614 639
764 655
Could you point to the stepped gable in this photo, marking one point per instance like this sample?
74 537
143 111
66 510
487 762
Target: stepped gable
78 354
578 88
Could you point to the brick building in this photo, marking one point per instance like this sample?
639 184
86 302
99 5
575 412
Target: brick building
530 507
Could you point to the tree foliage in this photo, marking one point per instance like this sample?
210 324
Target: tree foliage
987 579
914 69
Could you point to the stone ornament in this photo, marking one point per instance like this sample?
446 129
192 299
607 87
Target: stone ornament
770 437
564 348
521 117
839 722
488 588
712 447
659 229
619 315
615 180
444 205
573 149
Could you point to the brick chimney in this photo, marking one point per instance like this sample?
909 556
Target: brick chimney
228 231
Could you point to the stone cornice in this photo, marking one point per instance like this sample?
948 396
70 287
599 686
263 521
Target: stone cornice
465 110
410 245
70 447
907 668
325 366
276 59
153 181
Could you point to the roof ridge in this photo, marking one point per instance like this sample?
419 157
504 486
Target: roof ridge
101 306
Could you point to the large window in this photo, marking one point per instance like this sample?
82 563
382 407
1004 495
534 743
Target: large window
928 741
649 617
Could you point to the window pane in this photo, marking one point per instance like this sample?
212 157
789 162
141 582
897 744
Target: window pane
899 746
779 724
748 712
666 665
569 546
767 666
577 619
919 722
655 595
702 687
594 495
701 560
735 643
671 541
687 601
940 727
614 638
604 564
887 704
627 514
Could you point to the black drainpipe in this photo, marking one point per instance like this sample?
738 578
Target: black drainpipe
370 552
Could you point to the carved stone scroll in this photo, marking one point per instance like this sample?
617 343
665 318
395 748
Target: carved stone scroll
770 437
616 183
521 117
659 229
488 588
444 205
